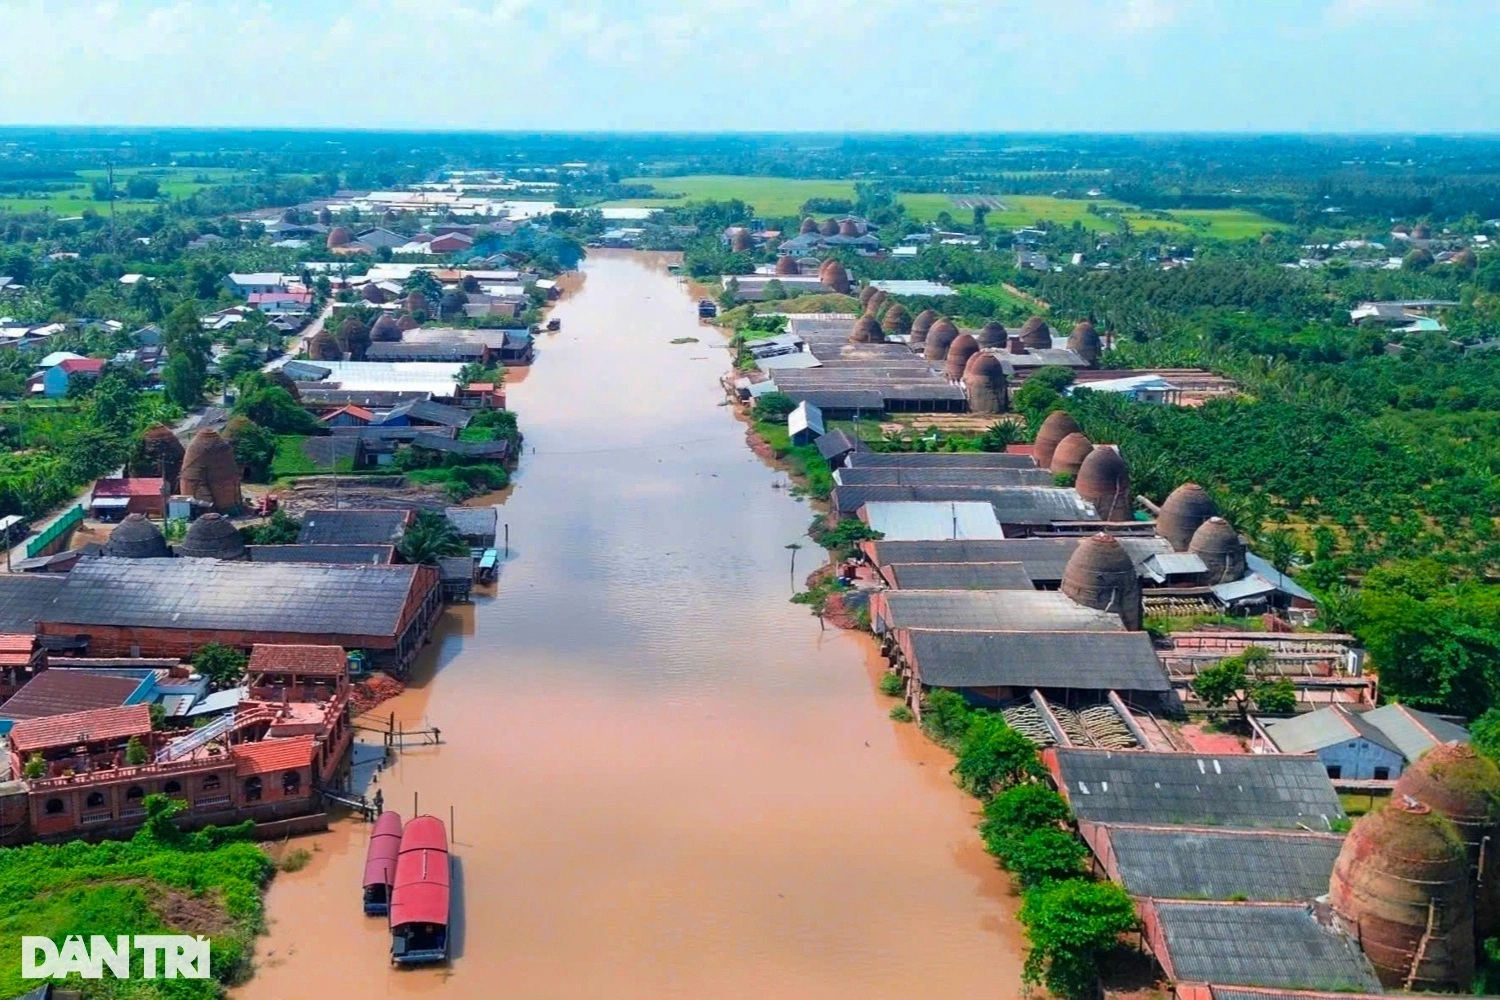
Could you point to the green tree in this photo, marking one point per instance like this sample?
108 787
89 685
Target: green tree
429 538
1071 925
991 756
272 407
183 381
66 290
1484 734
1281 549
774 406
222 665
945 715
254 446
35 767
145 298
113 404
135 752
1042 855
142 188
424 283
1021 808
1277 697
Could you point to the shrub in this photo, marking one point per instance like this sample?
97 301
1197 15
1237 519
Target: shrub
1042 855
945 715
892 685
1071 925
901 714
992 755
1021 809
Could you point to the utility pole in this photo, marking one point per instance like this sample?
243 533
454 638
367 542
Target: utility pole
114 237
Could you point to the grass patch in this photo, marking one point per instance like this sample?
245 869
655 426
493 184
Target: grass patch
296 860
1028 209
206 883
292 459
78 196
767 195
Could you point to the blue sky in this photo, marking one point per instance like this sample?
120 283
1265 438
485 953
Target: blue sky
718 65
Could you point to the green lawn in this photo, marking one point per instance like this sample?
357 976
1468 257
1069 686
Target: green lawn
781 196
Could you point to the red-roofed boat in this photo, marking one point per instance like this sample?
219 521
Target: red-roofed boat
380 863
421 895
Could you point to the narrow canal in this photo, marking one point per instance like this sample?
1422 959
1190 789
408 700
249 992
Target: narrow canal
667 780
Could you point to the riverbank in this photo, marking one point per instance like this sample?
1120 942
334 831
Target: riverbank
639 679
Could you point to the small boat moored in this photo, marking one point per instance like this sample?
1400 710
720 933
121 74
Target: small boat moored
380 863
421 896
485 572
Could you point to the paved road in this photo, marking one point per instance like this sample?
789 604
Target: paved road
300 343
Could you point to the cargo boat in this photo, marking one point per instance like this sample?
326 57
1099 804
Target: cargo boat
421 896
380 863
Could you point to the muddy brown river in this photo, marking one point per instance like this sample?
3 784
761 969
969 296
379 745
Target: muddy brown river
666 780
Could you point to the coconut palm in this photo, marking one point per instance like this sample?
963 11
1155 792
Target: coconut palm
431 537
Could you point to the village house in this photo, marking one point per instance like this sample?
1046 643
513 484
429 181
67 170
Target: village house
244 285
1373 746
116 497
57 380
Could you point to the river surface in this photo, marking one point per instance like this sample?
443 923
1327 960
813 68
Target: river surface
666 780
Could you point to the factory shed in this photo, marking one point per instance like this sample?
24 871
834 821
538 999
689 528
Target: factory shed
927 521
987 611
1022 506
477 525
837 447
1043 559
171 607
1360 746
371 555
1246 791
1252 944
993 667
1173 862
900 475
957 576
941 460
24 598
354 527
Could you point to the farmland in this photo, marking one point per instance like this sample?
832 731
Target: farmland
72 197
780 196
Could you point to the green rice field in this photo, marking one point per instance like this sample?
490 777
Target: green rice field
779 196
175 182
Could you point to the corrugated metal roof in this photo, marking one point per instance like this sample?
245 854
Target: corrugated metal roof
938 476
1013 504
1314 731
24 597
1250 791
805 417
1260 945
1085 661
958 576
837 442
1414 732
1277 579
942 460
352 527
219 701
1250 586
1166 564
785 362
1257 865
988 611
927 521
237 596
1043 558
372 555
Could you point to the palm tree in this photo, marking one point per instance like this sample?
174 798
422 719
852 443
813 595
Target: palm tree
431 537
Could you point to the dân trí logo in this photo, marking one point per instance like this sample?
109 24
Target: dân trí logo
163 956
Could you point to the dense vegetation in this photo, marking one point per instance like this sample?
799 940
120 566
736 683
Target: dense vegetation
160 881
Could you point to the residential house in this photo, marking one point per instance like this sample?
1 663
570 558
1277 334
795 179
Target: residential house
374 239
57 379
348 416
281 302
114 498
246 284
451 243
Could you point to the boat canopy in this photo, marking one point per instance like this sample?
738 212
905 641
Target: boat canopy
421 891
385 846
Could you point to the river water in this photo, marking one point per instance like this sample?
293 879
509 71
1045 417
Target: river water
666 780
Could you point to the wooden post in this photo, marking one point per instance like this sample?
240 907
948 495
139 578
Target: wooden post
452 836
507 539
415 811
